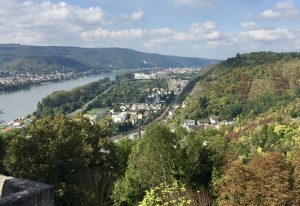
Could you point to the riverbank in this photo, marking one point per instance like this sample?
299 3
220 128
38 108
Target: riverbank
41 81
16 104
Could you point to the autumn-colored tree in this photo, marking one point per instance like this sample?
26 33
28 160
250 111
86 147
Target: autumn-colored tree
271 183
296 178
232 190
265 180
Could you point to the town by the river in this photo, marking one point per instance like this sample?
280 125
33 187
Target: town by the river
20 103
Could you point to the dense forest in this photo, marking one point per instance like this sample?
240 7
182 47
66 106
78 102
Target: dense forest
255 161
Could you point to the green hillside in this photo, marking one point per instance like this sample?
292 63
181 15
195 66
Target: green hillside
245 86
48 58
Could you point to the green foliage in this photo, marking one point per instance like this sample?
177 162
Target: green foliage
200 154
124 148
5 139
191 84
173 194
281 137
128 92
71 154
245 86
151 162
125 77
118 128
64 102
162 157
258 58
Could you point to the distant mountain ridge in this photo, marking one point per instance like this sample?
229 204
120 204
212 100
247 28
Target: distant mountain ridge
14 57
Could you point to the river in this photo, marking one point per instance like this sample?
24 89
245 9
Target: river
22 102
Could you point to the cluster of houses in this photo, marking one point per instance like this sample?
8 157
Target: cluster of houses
17 123
213 122
139 111
134 112
15 79
185 70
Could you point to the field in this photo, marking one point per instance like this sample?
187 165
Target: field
97 111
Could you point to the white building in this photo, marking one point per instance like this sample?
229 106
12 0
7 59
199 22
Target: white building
214 119
189 124
144 76
121 117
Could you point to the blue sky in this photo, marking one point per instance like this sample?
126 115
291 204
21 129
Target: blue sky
200 28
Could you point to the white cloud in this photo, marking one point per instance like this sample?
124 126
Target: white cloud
270 14
248 26
36 22
283 10
135 16
197 32
264 34
268 34
194 3
46 13
102 33
208 35
163 31
203 27
213 44
286 5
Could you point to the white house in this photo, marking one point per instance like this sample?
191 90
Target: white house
121 117
190 124
214 119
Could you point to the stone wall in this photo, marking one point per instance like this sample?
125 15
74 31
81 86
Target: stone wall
19 192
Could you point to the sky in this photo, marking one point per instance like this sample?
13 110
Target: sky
198 28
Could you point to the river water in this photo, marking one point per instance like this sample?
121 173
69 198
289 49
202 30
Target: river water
22 102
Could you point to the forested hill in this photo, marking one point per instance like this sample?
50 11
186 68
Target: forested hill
246 86
15 57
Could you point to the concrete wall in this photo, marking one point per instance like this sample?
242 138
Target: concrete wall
19 192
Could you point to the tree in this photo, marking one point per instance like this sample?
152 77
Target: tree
151 162
296 178
124 148
200 155
265 180
173 194
71 154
